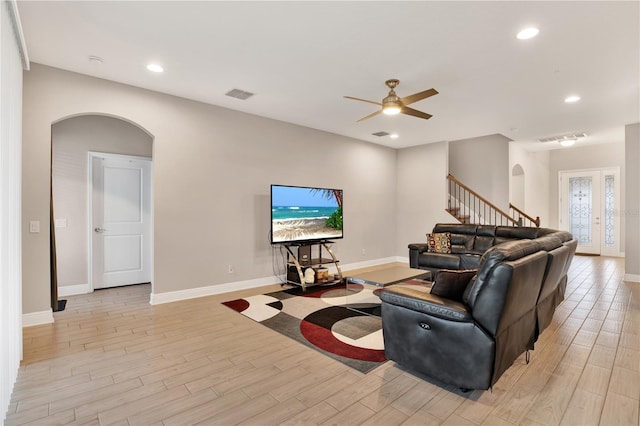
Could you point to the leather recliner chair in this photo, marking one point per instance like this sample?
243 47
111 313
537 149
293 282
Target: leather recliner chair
469 343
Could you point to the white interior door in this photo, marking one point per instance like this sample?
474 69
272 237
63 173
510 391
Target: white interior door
120 220
580 208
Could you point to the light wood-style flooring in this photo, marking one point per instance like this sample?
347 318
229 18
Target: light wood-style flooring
111 358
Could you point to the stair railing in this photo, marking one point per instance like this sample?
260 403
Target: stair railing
522 218
468 206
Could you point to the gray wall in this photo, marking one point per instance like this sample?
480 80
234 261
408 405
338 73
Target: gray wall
213 167
483 165
632 208
422 193
72 140
212 170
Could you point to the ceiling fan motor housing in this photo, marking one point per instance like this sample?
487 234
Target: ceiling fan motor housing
391 104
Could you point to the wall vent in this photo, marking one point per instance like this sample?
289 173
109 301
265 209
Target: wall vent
563 137
380 134
239 94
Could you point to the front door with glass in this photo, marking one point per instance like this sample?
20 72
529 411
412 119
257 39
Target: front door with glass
589 203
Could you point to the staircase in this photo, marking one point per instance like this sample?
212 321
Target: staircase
467 206
522 218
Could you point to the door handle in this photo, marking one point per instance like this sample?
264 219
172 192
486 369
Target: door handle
99 230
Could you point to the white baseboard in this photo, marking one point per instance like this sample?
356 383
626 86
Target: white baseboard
72 290
402 259
375 262
37 318
634 278
192 293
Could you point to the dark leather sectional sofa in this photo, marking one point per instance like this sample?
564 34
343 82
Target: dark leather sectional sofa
469 242
471 341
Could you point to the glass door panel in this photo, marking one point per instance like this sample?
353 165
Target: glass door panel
580 208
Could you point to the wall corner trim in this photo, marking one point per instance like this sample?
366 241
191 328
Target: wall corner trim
634 278
17 28
37 318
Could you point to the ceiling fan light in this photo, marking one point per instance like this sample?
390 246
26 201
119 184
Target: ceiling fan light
391 109
391 104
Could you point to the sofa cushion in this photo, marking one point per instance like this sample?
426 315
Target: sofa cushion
426 303
439 242
482 244
469 261
450 284
517 232
549 242
464 240
486 230
456 228
459 249
439 260
510 250
500 240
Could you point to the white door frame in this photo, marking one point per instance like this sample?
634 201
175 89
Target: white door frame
94 154
605 250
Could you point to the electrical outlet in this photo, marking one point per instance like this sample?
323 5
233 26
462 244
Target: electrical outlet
364 251
231 269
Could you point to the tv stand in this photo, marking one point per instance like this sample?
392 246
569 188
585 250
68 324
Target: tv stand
300 257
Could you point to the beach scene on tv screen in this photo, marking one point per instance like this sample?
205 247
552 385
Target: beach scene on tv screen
305 213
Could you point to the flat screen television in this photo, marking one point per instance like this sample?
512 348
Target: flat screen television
305 214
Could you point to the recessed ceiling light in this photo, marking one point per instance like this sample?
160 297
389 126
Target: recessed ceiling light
155 68
393 136
527 33
567 142
571 99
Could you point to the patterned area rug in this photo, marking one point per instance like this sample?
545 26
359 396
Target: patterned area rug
321 318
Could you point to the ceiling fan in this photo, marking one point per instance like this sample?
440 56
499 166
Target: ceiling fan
392 104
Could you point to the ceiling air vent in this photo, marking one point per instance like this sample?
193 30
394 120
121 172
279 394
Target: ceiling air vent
380 134
563 137
239 94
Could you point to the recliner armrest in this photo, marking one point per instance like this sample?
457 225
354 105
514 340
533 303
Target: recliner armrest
426 303
421 247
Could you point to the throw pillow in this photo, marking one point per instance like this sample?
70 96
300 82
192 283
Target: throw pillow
439 242
450 284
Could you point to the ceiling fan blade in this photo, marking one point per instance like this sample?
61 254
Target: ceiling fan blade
418 96
415 113
370 115
363 100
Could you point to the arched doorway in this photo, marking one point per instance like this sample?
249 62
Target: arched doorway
517 196
72 139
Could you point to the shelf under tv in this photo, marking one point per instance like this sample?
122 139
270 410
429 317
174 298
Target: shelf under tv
301 258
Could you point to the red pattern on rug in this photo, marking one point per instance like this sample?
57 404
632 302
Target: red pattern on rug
325 340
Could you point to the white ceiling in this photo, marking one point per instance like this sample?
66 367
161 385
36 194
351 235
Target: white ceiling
301 58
